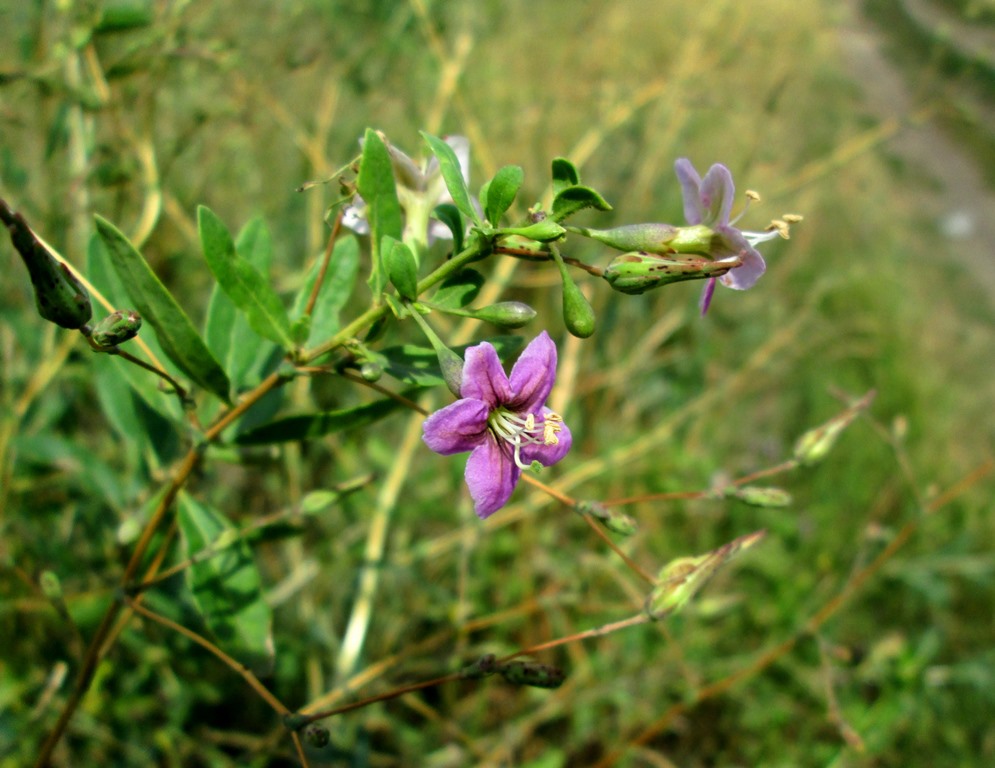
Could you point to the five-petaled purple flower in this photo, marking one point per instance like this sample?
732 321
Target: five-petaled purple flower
708 201
503 421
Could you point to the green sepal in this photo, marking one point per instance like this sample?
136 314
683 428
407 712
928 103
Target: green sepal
118 327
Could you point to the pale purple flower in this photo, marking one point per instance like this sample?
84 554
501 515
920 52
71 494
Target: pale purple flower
708 202
420 188
502 421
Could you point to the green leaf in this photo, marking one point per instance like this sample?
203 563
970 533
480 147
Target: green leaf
376 185
458 290
226 586
248 289
337 287
565 175
452 174
314 425
145 384
573 199
449 215
501 192
177 335
419 366
399 262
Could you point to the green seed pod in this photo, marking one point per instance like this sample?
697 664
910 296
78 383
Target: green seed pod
532 673
483 667
638 272
648 238
507 314
117 328
59 296
317 735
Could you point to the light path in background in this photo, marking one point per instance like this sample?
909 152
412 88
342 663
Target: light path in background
958 201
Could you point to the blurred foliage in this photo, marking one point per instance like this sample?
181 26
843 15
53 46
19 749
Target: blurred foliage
234 106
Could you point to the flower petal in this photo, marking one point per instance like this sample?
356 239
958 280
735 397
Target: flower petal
354 216
690 187
744 276
548 455
491 476
533 375
706 296
716 195
483 377
460 426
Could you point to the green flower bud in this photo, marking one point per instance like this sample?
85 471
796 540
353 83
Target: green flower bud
317 735
59 296
50 585
532 673
578 316
648 238
638 272
612 519
483 667
814 445
117 328
371 371
508 314
757 496
543 231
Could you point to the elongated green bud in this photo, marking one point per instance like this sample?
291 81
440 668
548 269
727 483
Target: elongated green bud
532 673
578 316
814 445
543 231
648 238
757 496
59 296
483 667
507 314
612 519
118 327
639 272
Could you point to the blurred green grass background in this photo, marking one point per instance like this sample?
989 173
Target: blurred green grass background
234 105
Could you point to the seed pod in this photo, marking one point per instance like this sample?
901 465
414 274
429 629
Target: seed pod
59 296
118 327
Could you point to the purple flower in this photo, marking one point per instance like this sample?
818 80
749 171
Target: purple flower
708 202
503 421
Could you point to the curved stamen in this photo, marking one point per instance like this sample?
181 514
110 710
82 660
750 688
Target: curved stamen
520 431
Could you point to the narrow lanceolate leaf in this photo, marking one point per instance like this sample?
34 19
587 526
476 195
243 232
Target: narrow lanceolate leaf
501 192
225 585
320 424
376 184
452 174
177 335
246 286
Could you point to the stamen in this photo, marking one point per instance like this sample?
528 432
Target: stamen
519 432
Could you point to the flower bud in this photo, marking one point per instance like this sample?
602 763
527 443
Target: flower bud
814 445
371 371
483 667
532 673
648 238
59 296
543 231
508 314
317 735
117 328
757 496
612 519
638 272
